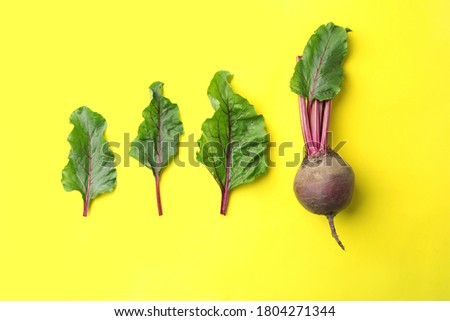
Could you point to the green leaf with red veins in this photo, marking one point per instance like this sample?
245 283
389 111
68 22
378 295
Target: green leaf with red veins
90 169
158 136
234 140
319 74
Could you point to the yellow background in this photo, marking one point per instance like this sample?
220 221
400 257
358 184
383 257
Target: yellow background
393 112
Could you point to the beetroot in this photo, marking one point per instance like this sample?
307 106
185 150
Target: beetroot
324 182
324 185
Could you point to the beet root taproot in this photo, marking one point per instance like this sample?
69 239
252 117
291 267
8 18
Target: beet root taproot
324 185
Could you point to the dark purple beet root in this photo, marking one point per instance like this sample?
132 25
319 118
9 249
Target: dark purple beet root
324 185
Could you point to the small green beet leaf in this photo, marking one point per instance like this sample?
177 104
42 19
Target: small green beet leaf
158 135
90 169
234 141
319 73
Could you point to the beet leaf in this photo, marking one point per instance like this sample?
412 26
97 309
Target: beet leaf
158 136
234 141
317 80
319 74
90 169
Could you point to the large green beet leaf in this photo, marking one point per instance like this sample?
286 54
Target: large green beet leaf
234 141
319 73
